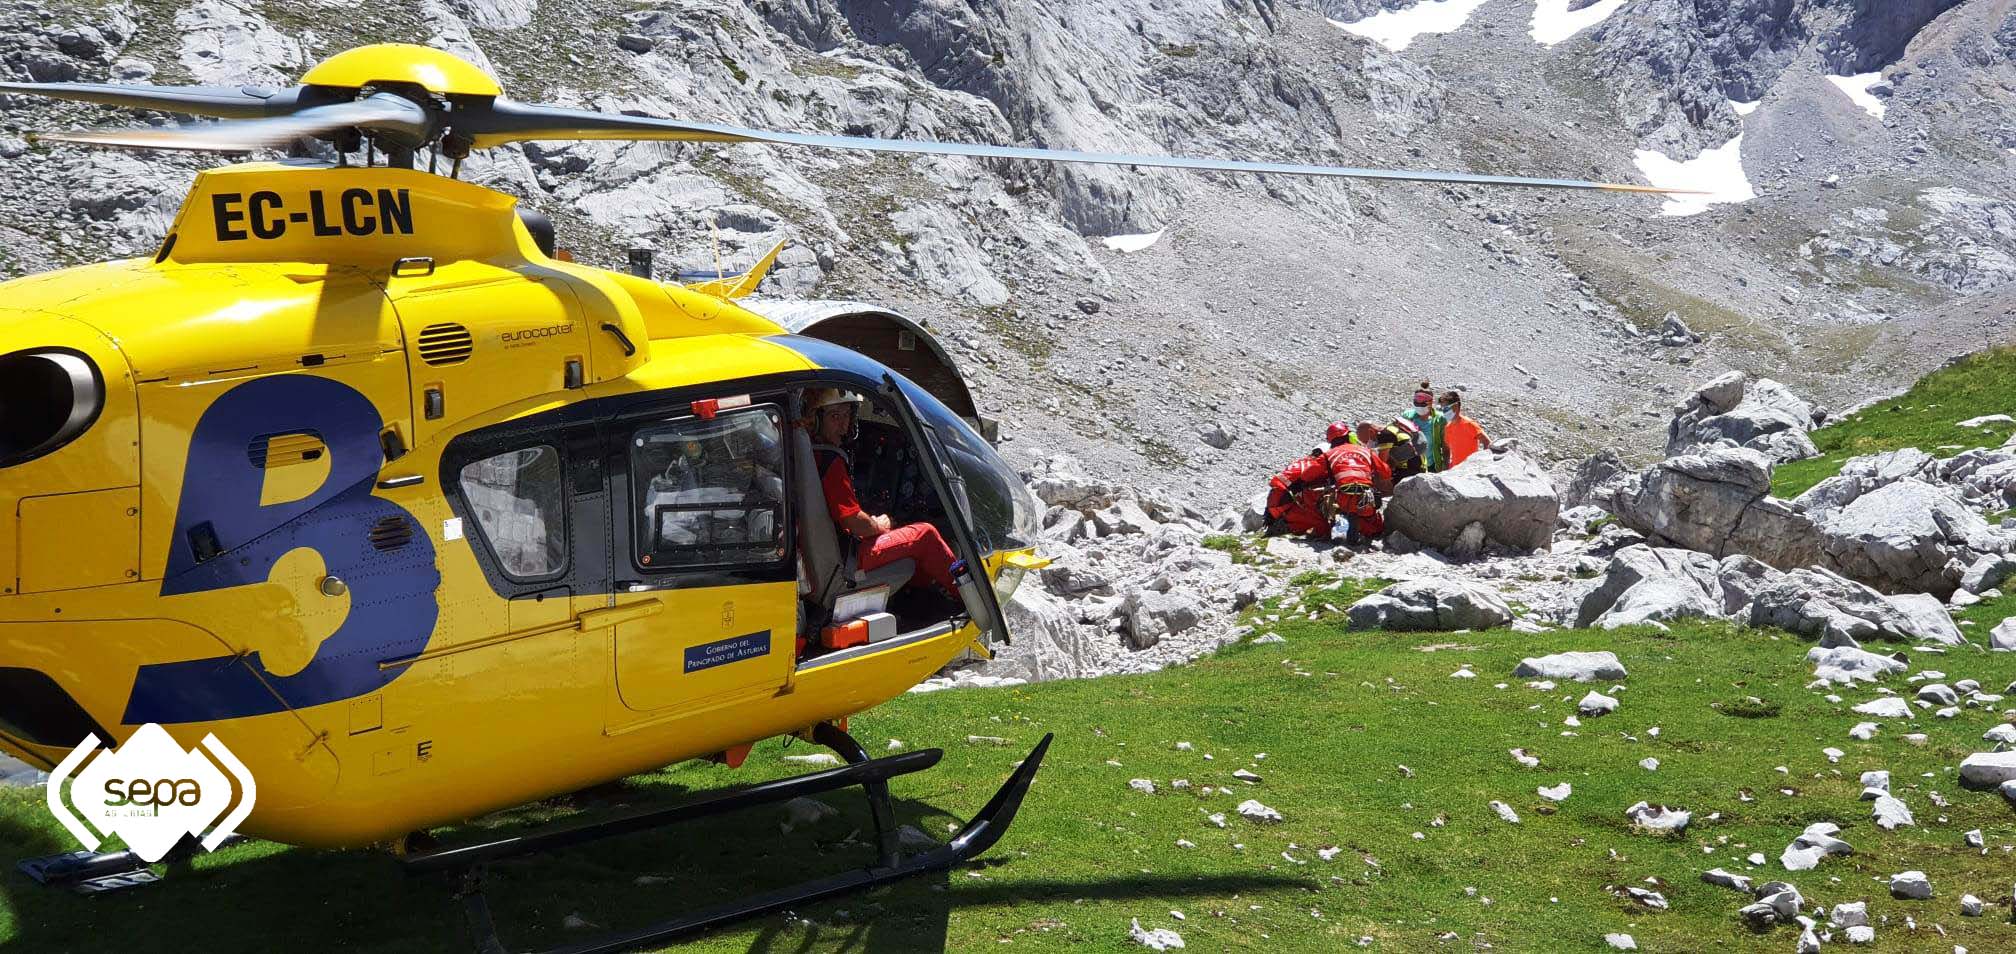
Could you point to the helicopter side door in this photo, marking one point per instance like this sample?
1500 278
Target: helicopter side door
703 558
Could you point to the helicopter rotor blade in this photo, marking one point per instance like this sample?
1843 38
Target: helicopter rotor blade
382 114
508 121
221 102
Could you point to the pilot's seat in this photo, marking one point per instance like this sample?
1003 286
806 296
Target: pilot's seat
831 570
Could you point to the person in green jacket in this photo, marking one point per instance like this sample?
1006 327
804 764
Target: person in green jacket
1423 417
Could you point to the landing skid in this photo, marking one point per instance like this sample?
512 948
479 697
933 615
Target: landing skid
102 872
872 775
89 872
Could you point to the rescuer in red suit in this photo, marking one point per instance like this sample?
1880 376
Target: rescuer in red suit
1361 475
1295 501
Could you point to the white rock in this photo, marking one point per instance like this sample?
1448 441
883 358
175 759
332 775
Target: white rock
1596 704
1505 812
1887 707
1658 818
1650 899
1848 664
1726 879
1579 666
1849 914
1252 809
1938 694
799 812
2002 732
1649 764
1878 781
1216 818
1988 769
1911 885
2002 638
1620 942
1863 731
820 758
1861 934
1520 756
1436 604
1160 939
1142 785
1891 814
1558 793
1970 906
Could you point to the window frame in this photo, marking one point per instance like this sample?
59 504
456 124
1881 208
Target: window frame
470 517
636 486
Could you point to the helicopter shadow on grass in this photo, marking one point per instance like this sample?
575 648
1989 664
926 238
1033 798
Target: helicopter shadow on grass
259 896
626 883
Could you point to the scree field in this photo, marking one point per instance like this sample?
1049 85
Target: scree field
1326 719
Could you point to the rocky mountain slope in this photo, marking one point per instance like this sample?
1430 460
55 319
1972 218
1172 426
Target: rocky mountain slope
1874 248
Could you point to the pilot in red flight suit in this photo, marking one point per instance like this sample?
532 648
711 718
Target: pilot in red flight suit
833 419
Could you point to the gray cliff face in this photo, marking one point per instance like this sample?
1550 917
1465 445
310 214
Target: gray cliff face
1875 248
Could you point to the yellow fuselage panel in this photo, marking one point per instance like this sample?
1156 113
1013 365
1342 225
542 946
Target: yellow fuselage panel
227 549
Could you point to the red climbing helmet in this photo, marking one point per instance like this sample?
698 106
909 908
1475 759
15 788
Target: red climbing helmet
1338 431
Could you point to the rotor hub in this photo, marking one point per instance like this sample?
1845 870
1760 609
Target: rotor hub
384 64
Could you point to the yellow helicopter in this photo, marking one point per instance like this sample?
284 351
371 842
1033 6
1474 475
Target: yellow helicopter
359 475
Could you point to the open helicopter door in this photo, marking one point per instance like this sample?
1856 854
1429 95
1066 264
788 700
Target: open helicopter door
976 590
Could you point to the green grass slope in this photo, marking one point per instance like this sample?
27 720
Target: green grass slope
1924 417
1326 718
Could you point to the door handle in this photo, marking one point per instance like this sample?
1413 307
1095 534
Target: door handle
618 615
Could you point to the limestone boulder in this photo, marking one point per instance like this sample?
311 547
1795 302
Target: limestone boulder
1060 481
1579 666
1148 616
1593 480
1507 494
1652 584
1717 502
1048 642
1906 537
1737 411
1431 604
1838 611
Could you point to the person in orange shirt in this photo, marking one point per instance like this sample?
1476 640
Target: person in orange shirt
1461 436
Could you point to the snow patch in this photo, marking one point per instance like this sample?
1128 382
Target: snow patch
1743 108
1718 173
1132 243
1396 29
1553 22
1857 88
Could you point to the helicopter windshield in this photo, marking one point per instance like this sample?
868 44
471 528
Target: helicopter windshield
1004 512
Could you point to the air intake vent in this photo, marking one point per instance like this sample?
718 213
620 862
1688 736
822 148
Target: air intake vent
391 533
446 343
279 450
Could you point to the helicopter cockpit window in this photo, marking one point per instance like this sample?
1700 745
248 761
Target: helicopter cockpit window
516 499
710 492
